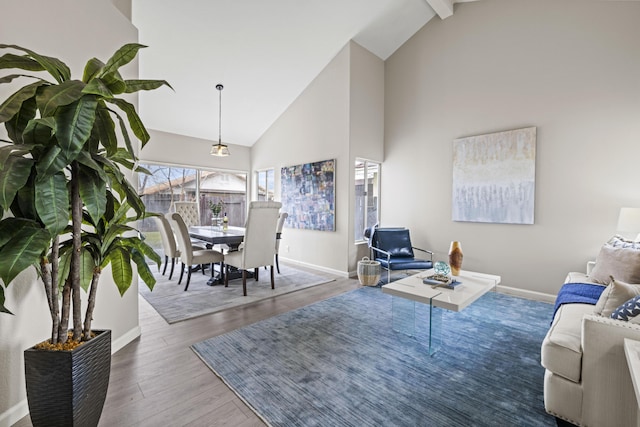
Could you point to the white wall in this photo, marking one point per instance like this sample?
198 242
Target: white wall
315 127
74 36
571 68
339 116
366 129
166 147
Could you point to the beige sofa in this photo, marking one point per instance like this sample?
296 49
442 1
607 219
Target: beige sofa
587 380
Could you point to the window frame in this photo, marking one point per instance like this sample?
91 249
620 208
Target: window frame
363 219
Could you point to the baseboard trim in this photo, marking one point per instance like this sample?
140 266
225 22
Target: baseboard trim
21 409
315 267
126 338
533 295
14 414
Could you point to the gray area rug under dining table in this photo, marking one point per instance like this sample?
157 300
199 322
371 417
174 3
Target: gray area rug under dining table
175 304
338 362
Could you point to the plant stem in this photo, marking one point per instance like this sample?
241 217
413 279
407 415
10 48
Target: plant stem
55 268
76 236
86 333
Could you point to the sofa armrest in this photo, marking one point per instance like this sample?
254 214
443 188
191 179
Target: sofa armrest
608 394
590 265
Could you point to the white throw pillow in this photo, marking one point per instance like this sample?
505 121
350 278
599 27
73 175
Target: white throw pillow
619 258
616 294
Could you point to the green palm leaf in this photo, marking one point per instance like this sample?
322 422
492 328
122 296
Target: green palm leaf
106 129
122 56
3 309
134 120
98 87
39 131
23 250
143 269
87 266
16 126
9 60
74 123
138 85
13 103
53 96
52 162
52 203
92 69
54 66
13 176
92 193
121 269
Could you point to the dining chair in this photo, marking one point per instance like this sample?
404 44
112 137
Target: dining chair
281 219
188 255
169 245
259 245
189 211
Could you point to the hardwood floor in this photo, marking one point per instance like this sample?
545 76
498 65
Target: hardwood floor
158 381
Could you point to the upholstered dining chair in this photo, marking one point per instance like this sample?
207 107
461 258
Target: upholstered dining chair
189 211
259 245
190 256
169 245
281 219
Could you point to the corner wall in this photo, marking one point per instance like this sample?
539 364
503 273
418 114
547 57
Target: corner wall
571 68
315 127
338 116
74 36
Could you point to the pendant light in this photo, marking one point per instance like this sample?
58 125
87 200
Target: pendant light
219 149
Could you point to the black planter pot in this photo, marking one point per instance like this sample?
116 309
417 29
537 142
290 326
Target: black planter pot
68 388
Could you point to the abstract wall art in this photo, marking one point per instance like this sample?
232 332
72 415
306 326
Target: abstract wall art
308 195
494 177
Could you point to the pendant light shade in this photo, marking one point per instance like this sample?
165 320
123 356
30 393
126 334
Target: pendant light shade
219 149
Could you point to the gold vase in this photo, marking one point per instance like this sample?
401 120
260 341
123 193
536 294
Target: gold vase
455 258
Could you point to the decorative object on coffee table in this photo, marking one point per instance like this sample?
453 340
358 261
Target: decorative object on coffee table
455 258
442 268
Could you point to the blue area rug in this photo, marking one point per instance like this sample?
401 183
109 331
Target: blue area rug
338 362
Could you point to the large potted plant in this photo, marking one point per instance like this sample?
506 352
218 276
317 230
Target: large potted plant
70 207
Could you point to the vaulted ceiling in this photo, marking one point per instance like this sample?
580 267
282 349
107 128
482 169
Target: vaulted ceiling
265 53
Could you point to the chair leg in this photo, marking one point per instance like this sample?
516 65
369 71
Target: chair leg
188 280
277 264
203 268
173 263
166 261
244 282
255 273
272 282
226 276
181 272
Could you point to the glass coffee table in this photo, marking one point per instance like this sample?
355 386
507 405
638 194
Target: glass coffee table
411 290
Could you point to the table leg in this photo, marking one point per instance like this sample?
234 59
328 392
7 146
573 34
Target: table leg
420 321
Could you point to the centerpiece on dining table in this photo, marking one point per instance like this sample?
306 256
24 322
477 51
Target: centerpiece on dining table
216 209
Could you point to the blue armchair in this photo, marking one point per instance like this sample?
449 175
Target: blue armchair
392 248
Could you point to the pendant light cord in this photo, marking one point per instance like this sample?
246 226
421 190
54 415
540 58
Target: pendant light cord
219 87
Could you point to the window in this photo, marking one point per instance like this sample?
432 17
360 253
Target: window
265 184
367 206
168 184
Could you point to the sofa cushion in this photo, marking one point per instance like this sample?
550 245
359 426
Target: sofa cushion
562 349
619 258
629 311
615 295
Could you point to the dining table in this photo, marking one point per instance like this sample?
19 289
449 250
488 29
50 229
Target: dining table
216 235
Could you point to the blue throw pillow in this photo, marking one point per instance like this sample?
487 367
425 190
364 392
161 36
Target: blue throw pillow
628 310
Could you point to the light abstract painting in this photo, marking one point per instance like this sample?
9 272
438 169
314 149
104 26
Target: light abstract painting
494 177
